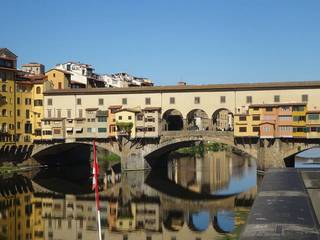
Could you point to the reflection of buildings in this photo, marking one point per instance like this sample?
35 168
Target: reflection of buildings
205 174
127 212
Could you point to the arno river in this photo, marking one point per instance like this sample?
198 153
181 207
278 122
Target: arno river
203 194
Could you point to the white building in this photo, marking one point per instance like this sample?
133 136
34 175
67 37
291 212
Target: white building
120 80
81 73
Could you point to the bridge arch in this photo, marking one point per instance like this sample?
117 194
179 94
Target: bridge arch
197 119
172 120
289 158
222 119
175 140
48 152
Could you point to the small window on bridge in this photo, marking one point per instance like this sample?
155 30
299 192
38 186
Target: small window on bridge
276 98
172 100
196 100
304 98
243 129
249 99
222 99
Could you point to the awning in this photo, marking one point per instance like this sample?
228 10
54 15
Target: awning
79 129
69 129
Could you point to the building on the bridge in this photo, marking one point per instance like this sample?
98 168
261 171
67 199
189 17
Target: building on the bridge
299 121
33 68
8 63
148 123
313 124
112 120
126 121
278 120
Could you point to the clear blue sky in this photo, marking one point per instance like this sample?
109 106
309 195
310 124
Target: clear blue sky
200 42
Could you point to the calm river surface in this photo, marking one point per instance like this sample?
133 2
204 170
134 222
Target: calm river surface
197 196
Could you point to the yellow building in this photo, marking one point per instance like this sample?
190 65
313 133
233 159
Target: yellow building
126 122
245 126
29 107
60 79
299 121
313 124
8 63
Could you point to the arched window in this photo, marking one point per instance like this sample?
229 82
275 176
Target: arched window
4 88
38 90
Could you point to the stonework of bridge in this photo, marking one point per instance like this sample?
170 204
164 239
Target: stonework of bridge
140 154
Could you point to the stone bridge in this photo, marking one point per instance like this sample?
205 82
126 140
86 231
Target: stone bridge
139 154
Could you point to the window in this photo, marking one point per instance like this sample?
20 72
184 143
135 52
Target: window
59 85
27 113
313 116
49 101
18 125
49 113
256 118
89 130
59 113
304 98
102 119
196 100
129 117
38 90
148 101
120 118
269 109
100 101
172 100
56 131
298 108
276 98
255 129
80 113
151 129
299 118
37 102
54 75
18 113
243 118
222 99
69 113
28 101
242 129
124 101
18 100
78 101
140 117
249 99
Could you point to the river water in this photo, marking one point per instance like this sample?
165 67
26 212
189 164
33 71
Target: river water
204 195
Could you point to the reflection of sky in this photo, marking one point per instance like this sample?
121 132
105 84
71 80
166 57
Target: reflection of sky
308 163
240 184
226 220
314 152
201 220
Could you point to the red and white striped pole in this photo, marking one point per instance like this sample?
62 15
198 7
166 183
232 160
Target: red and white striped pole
95 186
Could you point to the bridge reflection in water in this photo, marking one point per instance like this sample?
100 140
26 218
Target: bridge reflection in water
51 204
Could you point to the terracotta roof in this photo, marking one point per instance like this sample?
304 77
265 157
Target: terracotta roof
60 70
92 109
32 65
192 88
128 110
115 106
